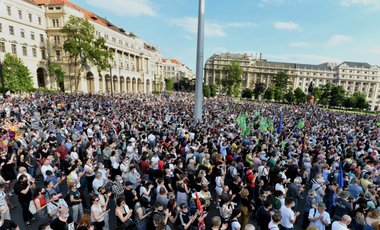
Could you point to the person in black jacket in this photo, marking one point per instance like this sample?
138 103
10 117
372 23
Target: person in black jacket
23 191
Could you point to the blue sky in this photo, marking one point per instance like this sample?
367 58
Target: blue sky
301 31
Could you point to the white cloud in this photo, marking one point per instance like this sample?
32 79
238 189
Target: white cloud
374 3
371 51
302 58
336 40
128 8
237 24
286 26
188 37
301 44
212 29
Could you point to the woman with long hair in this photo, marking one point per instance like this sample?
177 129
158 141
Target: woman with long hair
172 204
202 174
97 213
90 174
245 208
235 225
23 189
104 199
360 218
219 181
141 213
146 189
85 223
226 207
41 204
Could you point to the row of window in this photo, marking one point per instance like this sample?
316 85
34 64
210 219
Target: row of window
106 36
25 51
20 15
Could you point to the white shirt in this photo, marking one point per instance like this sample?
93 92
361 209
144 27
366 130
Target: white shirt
287 216
26 174
3 203
155 160
319 223
74 176
44 169
272 226
337 225
151 137
235 225
96 184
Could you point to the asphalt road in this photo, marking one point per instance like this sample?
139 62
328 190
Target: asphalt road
16 214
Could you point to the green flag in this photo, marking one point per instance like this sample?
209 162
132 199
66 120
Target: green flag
271 128
248 130
228 108
300 124
263 125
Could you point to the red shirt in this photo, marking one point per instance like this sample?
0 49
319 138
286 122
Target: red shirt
251 179
161 165
145 167
63 151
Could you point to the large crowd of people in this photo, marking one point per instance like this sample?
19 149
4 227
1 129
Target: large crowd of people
69 157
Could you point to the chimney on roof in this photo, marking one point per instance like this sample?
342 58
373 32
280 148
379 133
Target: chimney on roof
245 55
261 55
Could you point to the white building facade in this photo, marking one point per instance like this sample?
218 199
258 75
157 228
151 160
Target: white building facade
352 76
137 66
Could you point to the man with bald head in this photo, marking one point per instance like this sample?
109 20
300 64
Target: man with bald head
341 225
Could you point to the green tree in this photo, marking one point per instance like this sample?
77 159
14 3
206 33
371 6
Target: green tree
259 89
338 94
317 93
16 74
349 102
231 83
82 46
326 93
57 71
360 99
269 93
213 90
206 91
278 94
247 93
299 95
169 83
281 81
289 96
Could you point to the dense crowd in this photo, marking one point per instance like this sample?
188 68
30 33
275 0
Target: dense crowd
162 170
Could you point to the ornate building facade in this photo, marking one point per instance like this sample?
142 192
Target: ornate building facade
31 29
176 70
352 76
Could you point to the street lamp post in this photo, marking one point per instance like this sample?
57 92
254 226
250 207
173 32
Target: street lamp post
199 72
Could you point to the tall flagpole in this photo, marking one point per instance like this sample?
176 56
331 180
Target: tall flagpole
199 72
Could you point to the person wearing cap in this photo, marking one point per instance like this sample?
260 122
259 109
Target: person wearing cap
319 217
130 195
343 205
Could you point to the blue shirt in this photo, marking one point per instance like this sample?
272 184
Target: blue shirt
355 190
55 181
223 150
69 145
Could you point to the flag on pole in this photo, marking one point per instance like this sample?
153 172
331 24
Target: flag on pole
340 176
303 145
166 96
215 106
202 224
248 130
270 125
296 109
228 108
300 124
279 125
257 112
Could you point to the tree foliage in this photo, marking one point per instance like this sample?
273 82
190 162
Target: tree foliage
360 99
231 83
187 84
278 94
84 47
317 93
169 83
299 95
338 94
247 93
16 74
269 93
289 96
326 93
282 81
57 71
259 89
213 90
206 91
